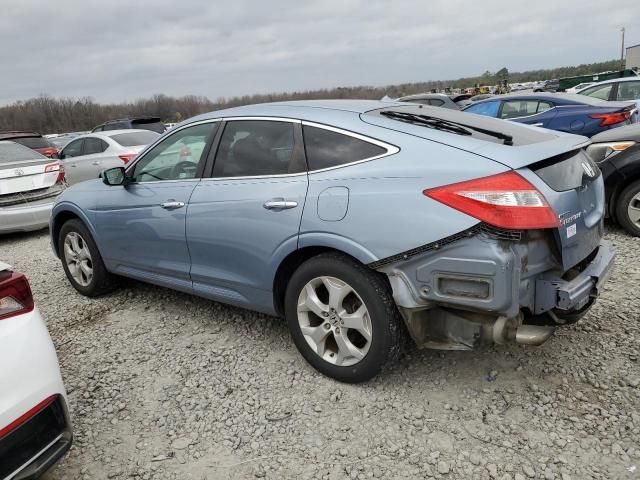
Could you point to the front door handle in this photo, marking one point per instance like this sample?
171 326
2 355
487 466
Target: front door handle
172 205
95 163
279 204
537 124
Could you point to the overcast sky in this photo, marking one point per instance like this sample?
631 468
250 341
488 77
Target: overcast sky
124 49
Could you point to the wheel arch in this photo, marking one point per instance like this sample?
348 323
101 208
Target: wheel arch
62 214
615 196
292 261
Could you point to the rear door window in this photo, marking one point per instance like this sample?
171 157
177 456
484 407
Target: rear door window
93 145
74 149
519 108
257 147
628 91
326 148
601 92
489 109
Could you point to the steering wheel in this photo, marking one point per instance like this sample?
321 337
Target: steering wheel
183 169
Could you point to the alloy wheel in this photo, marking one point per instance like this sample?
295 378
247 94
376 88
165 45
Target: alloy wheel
633 209
334 320
78 258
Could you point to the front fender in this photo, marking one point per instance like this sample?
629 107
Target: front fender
60 211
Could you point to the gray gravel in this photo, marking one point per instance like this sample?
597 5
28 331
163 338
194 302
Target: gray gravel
167 386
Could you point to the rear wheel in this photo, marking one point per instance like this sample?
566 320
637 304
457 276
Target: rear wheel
343 318
81 260
628 209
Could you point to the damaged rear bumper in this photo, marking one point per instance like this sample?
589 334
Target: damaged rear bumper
486 286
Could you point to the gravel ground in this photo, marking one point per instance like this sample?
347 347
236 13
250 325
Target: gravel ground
167 386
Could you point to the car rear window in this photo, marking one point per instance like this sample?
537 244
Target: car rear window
32 142
134 139
153 125
11 152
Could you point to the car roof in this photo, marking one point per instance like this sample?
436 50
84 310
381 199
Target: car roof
302 109
111 133
17 134
558 98
421 96
616 80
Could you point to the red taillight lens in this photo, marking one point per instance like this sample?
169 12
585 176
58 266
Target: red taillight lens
127 157
505 200
56 167
15 295
607 119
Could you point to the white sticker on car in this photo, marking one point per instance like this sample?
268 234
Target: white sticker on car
571 230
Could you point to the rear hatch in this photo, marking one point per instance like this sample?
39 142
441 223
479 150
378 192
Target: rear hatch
25 175
573 186
554 162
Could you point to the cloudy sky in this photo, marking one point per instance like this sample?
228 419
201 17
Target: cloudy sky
124 49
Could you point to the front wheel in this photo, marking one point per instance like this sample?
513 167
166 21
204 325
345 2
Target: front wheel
342 317
81 260
628 209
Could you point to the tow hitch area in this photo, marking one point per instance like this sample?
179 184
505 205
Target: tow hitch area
485 288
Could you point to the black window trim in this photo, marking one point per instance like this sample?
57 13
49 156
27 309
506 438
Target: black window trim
390 149
201 167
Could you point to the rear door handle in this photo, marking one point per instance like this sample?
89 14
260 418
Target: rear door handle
172 205
279 204
95 163
537 124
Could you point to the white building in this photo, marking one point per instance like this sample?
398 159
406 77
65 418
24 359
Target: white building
633 56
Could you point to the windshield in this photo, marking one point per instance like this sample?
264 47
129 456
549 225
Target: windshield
14 152
134 139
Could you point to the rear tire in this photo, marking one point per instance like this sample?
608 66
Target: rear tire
351 325
81 260
628 209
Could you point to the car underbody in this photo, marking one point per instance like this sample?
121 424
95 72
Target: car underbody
492 285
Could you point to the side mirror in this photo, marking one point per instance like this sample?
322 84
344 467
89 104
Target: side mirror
114 176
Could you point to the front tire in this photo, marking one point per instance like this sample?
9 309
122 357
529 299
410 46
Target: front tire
81 260
342 317
628 209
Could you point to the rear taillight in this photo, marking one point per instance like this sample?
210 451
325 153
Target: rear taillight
127 157
56 167
505 200
607 119
15 295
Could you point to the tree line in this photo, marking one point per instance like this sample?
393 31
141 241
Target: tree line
47 114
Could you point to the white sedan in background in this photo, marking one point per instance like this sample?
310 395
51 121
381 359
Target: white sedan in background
35 430
87 155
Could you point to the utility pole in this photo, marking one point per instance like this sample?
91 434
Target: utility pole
622 50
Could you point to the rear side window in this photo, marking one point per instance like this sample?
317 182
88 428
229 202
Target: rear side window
32 142
257 147
489 109
601 92
629 91
94 145
135 139
326 148
10 152
523 108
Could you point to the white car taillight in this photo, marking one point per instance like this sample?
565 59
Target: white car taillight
15 295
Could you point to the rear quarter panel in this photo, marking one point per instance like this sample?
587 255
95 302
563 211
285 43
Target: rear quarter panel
387 212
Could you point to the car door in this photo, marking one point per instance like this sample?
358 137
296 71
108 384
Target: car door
246 217
141 225
90 164
71 156
531 112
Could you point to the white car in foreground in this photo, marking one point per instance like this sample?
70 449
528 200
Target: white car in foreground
35 430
